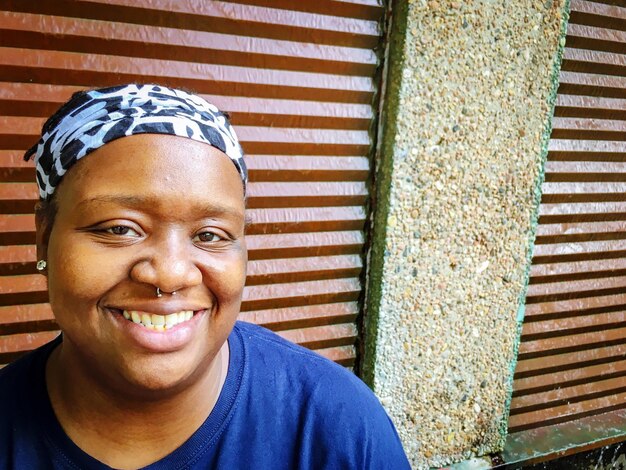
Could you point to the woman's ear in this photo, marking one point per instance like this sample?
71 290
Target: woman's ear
42 227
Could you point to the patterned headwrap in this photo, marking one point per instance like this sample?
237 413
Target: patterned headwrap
90 119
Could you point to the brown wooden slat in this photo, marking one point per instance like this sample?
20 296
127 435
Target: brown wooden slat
577 342
303 219
301 194
17 223
567 326
559 414
550 231
303 269
14 159
588 128
573 287
322 336
582 192
594 38
598 14
581 83
571 307
17 254
573 271
580 232
590 106
300 293
307 168
25 341
571 377
586 151
582 172
304 244
27 283
367 10
343 355
581 212
25 313
572 252
308 315
568 361
597 62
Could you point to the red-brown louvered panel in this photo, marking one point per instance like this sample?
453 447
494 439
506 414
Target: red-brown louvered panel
298 80
572 358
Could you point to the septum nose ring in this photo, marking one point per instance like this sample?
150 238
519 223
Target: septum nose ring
160 293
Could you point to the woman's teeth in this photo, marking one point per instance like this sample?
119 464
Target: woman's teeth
158 322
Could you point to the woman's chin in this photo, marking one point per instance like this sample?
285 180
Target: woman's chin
157 377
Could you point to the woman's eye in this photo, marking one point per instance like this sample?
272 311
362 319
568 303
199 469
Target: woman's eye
122 230
208 237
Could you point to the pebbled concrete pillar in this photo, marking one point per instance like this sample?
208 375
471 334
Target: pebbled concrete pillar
468 103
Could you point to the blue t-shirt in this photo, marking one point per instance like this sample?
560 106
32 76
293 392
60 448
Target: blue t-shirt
281 407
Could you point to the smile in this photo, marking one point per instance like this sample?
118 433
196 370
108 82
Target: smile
158 322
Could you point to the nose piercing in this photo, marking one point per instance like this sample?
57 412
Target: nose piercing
160 293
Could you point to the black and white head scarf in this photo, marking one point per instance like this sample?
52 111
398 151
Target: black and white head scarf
90 119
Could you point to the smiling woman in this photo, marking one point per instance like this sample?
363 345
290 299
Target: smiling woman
143 247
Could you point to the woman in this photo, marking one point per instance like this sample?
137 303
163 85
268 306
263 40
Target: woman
143 247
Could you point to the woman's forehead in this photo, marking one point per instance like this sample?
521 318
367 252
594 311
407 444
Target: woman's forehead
156 171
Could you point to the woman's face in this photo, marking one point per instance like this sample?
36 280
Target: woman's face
143 212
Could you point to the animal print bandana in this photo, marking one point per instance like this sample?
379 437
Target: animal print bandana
90 119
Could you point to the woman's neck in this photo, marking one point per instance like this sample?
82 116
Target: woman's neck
125 432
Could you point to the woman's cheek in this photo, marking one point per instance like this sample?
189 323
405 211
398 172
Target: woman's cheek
225 275
80 272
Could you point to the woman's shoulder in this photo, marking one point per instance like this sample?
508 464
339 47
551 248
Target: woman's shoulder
21 377
291 384
284 362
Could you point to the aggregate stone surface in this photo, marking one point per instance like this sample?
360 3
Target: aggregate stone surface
474 105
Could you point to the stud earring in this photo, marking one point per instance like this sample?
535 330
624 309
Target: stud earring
41 265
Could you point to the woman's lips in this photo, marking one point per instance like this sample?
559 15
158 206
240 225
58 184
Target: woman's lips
158 322
158 337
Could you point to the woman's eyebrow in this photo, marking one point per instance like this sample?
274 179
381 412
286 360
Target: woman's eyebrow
216 209
114 199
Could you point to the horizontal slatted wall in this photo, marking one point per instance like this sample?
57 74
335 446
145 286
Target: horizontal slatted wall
298 80
572 359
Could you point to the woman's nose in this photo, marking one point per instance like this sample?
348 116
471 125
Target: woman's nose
169 266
